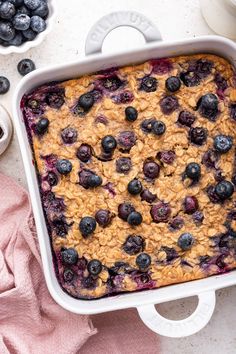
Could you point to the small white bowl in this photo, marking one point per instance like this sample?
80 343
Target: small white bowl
39 38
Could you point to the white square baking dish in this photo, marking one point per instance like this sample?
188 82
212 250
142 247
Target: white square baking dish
144 301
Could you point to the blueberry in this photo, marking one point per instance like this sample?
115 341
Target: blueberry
87 226
211 192
86 101
148 196
160 212
94 267
186 118
161 66
210 158
131 113
88 282
223 143
123 97
25 66
103 217
37 24
193 171
60 226
198 217
64 166
221 82
52 179
234 179
198 135
23 10
224 190
124 210
7 31
17 3
133 244
176 223
134 218
94 181
158 127
17 40
169 104
29 34
69 135
166 156
190 204
21 22
7 10
135 187
84 177
171 253
143 261
173 84
147 124
111 83
208 106
4 85
126 140
233 111
151 169
123 165
69 256
185 241
68 275
148 84
84 152
42 10
190 78
55 99
203 68
42 126
101 119
32 4
109 143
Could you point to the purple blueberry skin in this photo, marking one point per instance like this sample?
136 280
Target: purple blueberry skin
147 196
198 217
233 111
160 212
123 165
147 124
84 176
69 135
169 104
103 217
190 204
186 118
124 210
176 223
126 140
151 169
212 195
210 158
84 153
166 156
123 97
198 135
161 66
134 244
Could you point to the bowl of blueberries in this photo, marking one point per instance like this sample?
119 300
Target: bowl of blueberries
24 24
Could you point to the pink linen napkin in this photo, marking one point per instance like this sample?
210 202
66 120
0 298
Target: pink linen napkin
30 321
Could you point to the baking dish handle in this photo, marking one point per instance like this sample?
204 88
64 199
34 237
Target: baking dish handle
182 328
5 129
106 24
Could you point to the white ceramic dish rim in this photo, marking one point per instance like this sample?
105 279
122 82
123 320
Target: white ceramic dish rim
145 300
40 37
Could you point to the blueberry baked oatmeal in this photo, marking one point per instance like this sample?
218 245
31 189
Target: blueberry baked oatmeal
137 173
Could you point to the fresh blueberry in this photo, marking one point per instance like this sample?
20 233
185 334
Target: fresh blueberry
64 166
42 10
52 179
55 99
37 24
176 223
193 171
4 85
87 226
21 22
124 210
151 169
173 84
25 66
17 40
147 124
94 267
166 156
224 190
17 3
211 192
135 187
210 158
42 126
190 204
23 10
190 78
86 101
126 140
143 261
186 118
233 111
160 212
131 113
134 218
69 256
148 84
103 217
109 143
148 196
32 4
169 104
94 181
60 226
123 97
84 152
123 165
69 135
68 275
208 106
7 31
29 34
133 244
223 143
7 10
185 241
85 178
158 127
198 135
111 83
198 217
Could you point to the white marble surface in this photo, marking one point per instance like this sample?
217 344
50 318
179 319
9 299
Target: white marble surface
176 19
